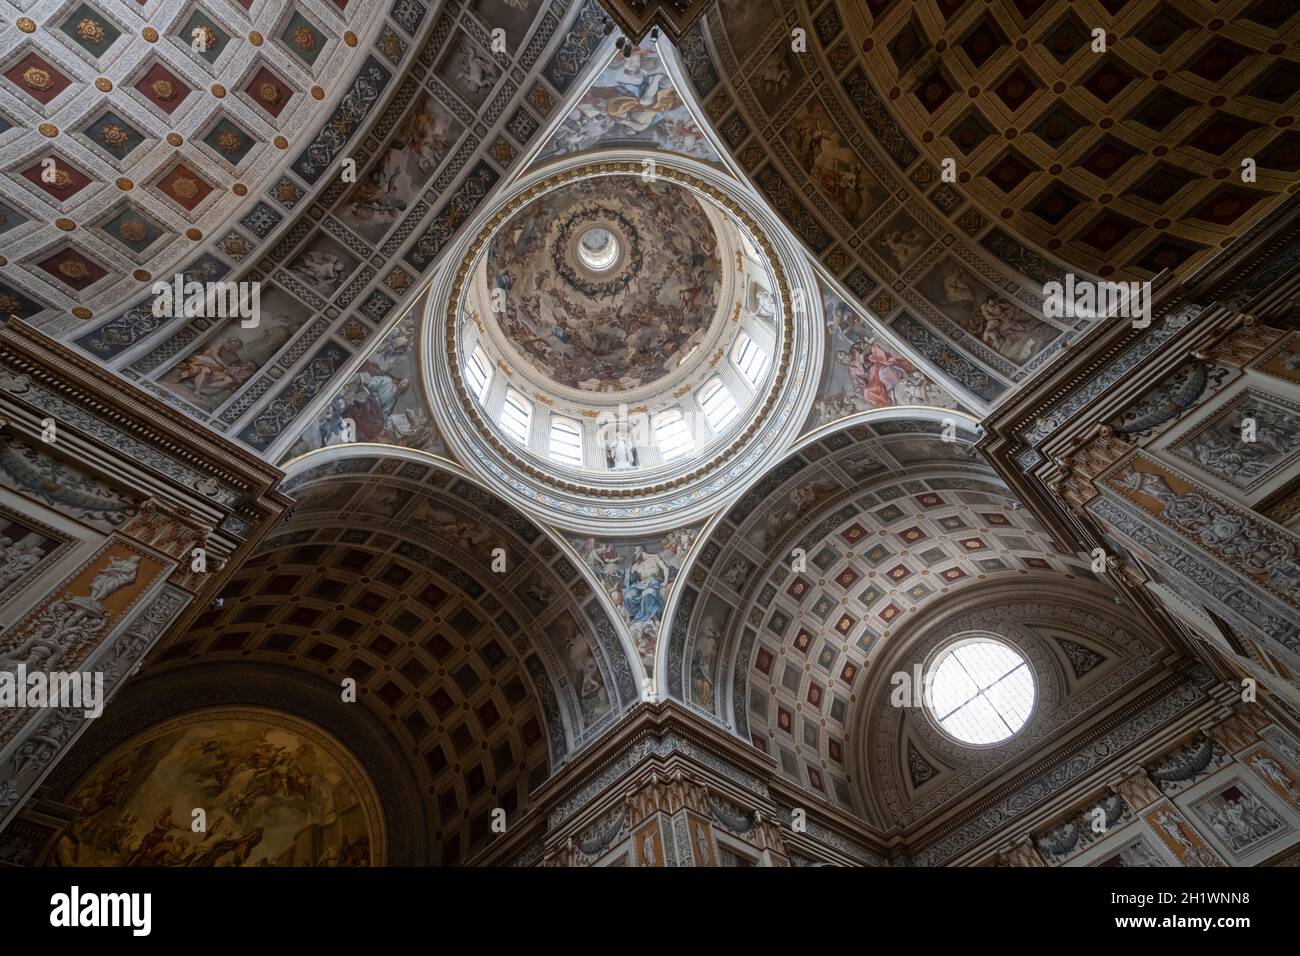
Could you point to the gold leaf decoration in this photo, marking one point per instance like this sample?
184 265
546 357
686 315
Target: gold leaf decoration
37 78
90 30
132 230
229 142
269 92
114 135
163 89
185 187
305 39
73 269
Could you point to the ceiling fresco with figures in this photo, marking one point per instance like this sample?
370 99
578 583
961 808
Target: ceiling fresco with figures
890 520
607 326
633 102
864 368
267 779
847 141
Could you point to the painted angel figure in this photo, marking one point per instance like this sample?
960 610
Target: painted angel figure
477 72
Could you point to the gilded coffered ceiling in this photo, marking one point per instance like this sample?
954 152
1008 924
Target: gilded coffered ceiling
1118 164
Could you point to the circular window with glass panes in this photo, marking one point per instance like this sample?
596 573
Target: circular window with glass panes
980 691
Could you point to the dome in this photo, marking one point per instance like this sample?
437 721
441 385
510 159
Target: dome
588 273
621 332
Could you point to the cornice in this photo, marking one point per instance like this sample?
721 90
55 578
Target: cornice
90 387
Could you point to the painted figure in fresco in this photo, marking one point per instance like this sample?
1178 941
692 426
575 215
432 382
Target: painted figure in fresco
430 137
1172 826
957 290
632 99
379 401
803 497
451 529
604 559
705 662
1221 450
1272 771
1007 330
318 268
736 575
645 637
540 592
875 372
643 586
380 198
264 787
904 246
593 698
476 72
218 367
214 373
1239 819
775 76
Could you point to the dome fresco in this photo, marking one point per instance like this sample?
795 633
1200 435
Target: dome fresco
597 325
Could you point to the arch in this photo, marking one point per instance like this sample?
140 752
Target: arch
534 558
892 521
401 589
1079 643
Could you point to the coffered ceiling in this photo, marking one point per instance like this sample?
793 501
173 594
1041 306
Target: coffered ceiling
1118 164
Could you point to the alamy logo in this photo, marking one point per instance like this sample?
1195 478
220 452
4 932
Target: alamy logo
1085 299
75 908
78 689
219 300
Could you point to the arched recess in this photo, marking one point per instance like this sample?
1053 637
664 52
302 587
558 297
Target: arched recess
381 799
463 623
1083 650
892 521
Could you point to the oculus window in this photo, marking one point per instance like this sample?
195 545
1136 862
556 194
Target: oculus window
980 691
